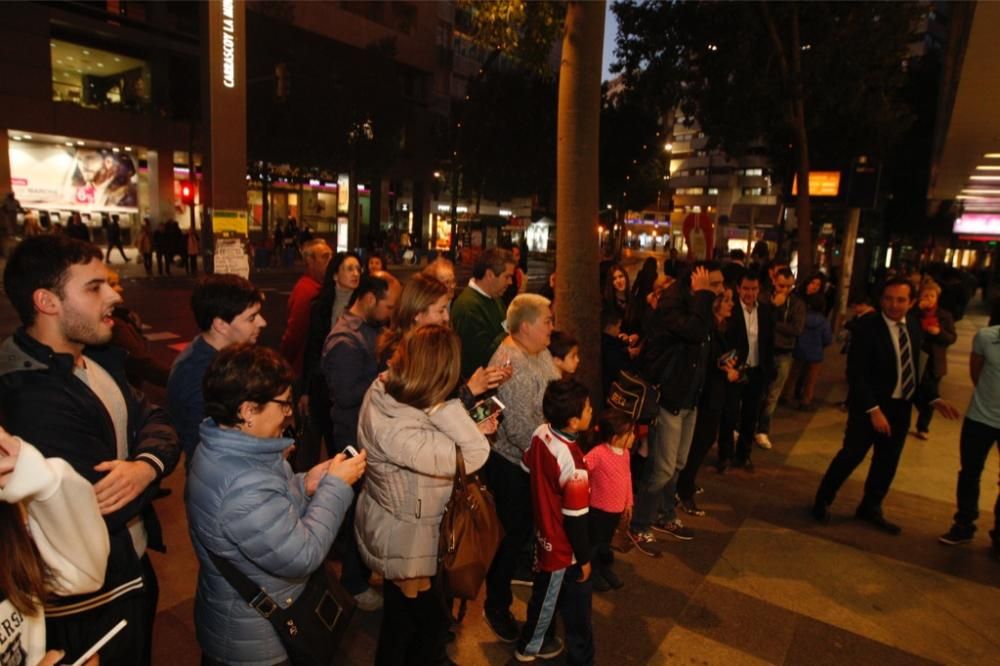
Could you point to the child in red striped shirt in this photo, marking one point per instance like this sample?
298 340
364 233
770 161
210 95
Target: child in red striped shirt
608 467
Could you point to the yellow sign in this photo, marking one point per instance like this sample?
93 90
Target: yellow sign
821 184
232 221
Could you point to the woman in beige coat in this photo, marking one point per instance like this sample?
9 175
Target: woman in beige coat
410 433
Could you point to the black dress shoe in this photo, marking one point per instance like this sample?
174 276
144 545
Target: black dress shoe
821 513
878 520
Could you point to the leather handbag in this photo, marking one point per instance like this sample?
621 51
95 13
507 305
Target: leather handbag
470 535
311 628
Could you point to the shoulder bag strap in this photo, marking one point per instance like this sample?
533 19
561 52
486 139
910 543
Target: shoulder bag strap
460 476
252 593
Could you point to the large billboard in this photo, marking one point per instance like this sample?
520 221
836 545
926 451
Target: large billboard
73 177
980 224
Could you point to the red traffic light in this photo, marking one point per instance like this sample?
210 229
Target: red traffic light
188 192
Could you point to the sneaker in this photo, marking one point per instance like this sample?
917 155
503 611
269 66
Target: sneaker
691 508
763 441
674 528
644 542
956 536
503 625
369 600
698 490
921 434
551 647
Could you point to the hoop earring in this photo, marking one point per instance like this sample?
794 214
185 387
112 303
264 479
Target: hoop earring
249 424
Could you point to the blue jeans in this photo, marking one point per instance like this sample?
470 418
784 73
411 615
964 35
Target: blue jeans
670 443
782 364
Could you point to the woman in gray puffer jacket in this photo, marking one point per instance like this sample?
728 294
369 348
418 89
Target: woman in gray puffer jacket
410 433
245 505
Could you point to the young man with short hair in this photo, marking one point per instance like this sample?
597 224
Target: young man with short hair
227 311
64 389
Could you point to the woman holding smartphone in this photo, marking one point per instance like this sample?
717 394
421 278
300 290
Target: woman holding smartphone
411 431
720 374
246 506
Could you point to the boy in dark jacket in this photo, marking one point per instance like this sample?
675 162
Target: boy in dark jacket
63 389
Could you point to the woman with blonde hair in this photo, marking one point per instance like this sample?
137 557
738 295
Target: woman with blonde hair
411 432
424 301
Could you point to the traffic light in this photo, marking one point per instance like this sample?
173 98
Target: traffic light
189 191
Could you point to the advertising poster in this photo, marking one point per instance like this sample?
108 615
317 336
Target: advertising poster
74 177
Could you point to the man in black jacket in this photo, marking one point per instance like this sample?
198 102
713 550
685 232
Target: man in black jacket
883 379
751 334
63 389
676 358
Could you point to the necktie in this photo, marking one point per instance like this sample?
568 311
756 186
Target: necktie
908 378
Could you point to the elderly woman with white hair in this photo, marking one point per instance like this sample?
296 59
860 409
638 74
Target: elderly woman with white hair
525 350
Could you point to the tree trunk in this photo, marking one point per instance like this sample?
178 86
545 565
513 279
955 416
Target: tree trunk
803 208
577 257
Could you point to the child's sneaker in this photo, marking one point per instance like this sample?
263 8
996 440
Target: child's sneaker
552 647
674 528
644 542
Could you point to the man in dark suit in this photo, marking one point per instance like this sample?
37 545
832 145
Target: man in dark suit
751 334
883 383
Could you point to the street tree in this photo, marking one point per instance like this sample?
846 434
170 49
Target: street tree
818 81
530 29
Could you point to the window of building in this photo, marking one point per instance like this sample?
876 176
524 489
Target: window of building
700 172
701 153
713 191
753 191
98 79
753 172
691 191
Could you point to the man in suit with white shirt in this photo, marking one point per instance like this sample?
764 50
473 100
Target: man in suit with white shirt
751 334
883 383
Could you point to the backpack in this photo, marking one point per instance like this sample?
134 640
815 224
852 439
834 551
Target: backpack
633 395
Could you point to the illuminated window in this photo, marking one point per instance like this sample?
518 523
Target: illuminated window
98 79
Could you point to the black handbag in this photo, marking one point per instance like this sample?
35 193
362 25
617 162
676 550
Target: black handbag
633 395
311 628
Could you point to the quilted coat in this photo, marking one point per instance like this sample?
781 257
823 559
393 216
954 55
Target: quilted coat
246 505
410 474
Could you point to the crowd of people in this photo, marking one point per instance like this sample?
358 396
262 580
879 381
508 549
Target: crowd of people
342 444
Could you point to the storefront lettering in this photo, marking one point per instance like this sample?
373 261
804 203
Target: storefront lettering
228 45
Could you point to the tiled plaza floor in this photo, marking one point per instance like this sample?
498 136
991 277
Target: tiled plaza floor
761 583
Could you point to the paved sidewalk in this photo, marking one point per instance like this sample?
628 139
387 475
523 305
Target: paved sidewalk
761 583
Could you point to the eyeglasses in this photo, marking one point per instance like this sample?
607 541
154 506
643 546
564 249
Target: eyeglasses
286 405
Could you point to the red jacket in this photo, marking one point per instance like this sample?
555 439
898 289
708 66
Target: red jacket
293 342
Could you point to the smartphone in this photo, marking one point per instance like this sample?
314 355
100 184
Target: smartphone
99 644
350 451
484 409
725 358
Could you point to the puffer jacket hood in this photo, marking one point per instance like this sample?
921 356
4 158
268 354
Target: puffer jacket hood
409 479
245 504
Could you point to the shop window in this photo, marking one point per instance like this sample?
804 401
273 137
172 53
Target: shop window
98 79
